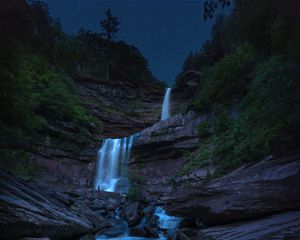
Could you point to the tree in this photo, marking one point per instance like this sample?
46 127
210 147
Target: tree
110 25
210 7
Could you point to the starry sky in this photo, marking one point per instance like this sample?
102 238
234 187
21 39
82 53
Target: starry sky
165 31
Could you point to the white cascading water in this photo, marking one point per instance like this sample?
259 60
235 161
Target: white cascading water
166 222
112 162
111 165
165 113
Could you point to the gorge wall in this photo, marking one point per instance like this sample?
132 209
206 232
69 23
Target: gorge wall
60 159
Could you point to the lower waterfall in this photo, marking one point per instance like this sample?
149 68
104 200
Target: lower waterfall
112 162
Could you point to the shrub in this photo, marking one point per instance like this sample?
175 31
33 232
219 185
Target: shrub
271 108
200 159
203 129
225 79
132 194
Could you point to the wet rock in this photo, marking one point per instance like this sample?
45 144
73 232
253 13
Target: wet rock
87 237
182 236
98 221
117 228
264 188
143 230
133 213
96 204
148 211
150 230
29 238
102 212
112 204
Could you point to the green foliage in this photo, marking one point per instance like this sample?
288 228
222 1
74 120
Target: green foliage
201 159
203 129
136 179
271 108
225 78
110 25
17 161
38 93
251 62
133 194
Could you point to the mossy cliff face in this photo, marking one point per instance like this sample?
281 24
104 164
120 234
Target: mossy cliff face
59 157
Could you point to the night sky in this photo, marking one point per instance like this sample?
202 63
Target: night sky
165 31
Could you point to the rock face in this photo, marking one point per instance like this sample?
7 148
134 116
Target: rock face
123 107
157 154
30 211
60 160
280 226
265 188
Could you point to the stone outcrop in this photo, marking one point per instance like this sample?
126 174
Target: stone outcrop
28 210
264 188
157 155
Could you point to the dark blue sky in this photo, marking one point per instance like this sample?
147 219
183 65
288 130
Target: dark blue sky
165 31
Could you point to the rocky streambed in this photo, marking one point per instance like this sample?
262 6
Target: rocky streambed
32 211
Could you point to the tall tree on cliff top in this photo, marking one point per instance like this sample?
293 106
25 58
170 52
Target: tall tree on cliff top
110 25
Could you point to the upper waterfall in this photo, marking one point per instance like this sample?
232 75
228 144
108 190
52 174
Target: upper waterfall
165 113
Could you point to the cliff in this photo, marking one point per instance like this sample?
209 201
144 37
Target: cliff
59 157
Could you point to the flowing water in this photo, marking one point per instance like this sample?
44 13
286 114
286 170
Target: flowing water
112 162
167 224
165 112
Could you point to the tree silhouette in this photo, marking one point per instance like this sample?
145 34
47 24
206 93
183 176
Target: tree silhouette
210 6
110 25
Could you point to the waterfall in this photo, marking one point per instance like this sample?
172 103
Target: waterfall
114 155
111 164
165 113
